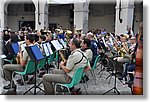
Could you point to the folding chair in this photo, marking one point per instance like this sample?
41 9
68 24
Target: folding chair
75 80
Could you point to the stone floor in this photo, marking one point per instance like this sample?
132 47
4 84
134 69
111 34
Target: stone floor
101 87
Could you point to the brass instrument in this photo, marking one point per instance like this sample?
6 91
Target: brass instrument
119 47
62 56
121 50
18 60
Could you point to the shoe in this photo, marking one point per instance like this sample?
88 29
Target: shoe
31 81
19 81
11 92
86 78
41 74
8 86
119 76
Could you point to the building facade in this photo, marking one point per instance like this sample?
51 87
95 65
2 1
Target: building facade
114 16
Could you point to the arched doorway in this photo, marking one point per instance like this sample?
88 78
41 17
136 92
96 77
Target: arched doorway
19 14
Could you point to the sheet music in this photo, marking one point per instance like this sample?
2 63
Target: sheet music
49 48
46 49
56 44
111 41
63 43
23 47
104 42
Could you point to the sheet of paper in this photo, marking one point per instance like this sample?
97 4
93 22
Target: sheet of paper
49 48
46 50
56 44
63 43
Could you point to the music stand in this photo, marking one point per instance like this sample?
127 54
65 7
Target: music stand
48 51
57 46
13 48
114 73
35 55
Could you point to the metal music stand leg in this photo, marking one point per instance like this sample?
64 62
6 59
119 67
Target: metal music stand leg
35 86
113 88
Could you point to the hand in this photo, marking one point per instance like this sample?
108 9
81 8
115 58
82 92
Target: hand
18 55
62 63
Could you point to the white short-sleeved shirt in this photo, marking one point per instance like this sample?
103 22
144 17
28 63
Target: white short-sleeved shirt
74 58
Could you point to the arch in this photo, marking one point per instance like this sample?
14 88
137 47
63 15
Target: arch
7 12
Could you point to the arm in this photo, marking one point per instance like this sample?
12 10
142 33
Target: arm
64 67
22 62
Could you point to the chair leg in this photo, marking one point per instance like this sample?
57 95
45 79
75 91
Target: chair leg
11 83
85 89
24 82
94 78
55 89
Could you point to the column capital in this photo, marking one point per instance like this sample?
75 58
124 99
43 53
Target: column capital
126 7
81 10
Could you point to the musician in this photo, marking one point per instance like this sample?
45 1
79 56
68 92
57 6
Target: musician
42 39
85 47
129 51
75 60
93 46
24 58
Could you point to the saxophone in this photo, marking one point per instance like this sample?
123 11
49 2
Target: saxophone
121 50
62 56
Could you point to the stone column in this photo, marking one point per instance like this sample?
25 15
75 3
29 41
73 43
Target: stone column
41 15
2 15
81 15
126 16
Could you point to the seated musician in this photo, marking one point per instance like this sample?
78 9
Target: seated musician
65 75
42 39
128 51
93 46
85 47
24 58
126 58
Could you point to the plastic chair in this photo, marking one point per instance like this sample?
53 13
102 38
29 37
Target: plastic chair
93 67
41 63
53 59
75 80
30 68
